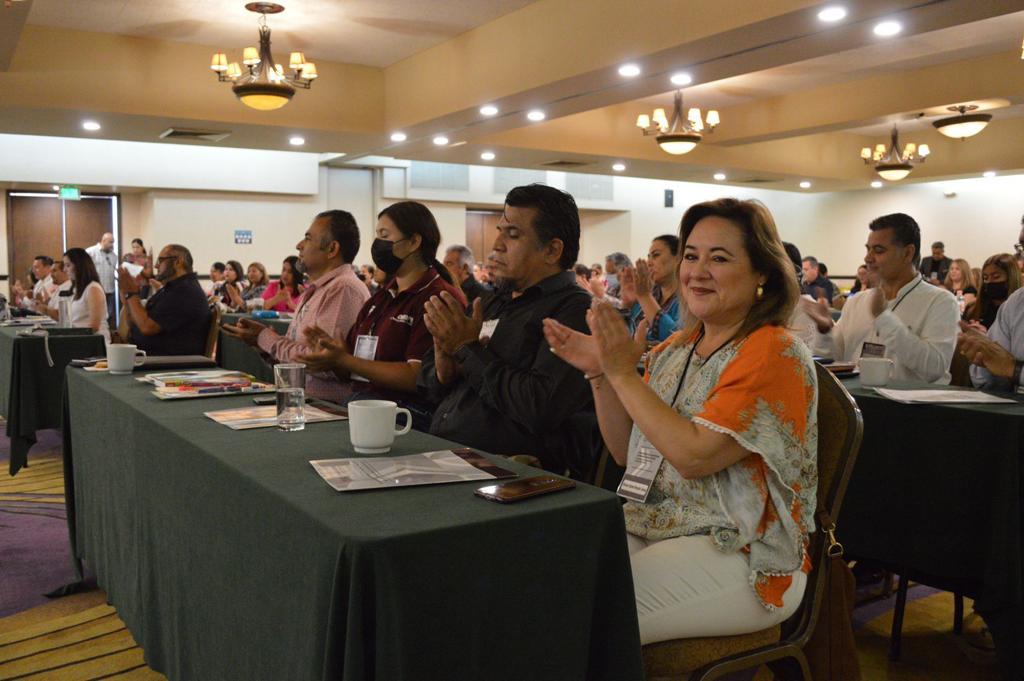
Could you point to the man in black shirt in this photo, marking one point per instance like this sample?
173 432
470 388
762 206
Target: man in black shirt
495 381
814 284
459 261
176 319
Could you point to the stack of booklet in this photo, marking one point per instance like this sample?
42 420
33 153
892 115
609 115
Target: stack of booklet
178 385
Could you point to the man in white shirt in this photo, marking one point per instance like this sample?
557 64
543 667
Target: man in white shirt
44 286
105 258
901 318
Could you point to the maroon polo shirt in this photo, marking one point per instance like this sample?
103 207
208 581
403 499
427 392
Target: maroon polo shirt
396 318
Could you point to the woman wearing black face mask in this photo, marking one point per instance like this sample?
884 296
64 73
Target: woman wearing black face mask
1000 277
382 353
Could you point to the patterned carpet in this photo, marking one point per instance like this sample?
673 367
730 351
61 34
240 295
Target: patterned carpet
80 637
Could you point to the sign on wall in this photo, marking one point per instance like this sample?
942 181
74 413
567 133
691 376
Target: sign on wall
243 236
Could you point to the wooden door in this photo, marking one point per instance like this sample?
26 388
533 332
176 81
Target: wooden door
88 220
33 228
481 231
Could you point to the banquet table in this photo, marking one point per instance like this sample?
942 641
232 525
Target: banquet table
228 557
30 389
236 355
936 492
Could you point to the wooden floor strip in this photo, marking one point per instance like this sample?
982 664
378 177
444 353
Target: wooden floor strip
62 638
62 658
100 666
49 626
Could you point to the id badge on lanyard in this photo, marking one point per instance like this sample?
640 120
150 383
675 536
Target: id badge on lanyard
366 348
642 469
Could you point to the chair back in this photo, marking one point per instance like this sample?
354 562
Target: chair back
840 428
213 333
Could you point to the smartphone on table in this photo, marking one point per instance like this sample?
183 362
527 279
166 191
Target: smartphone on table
516 490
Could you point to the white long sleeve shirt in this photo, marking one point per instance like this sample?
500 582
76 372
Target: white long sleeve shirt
918 329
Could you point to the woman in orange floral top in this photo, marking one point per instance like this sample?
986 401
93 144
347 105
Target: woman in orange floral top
718 540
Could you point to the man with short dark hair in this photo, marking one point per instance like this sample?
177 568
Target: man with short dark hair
459 261
935 267
42 267
813 283
900 317
331 302
175 319
495 382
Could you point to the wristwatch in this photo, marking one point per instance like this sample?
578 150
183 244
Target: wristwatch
129 294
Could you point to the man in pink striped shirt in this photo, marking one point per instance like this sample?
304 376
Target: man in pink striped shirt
330 302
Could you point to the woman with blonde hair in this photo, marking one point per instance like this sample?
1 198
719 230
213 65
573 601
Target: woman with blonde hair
960 281
1000 277
726 419
256 283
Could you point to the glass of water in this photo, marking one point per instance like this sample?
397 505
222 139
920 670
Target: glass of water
290 380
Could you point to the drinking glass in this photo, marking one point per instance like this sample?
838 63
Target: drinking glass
290 380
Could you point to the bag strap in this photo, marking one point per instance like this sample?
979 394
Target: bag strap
825 522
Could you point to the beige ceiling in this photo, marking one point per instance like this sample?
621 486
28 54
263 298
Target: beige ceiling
798 98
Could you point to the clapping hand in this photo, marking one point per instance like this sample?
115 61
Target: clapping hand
627 286
597 287
325 353
985 352
246 330
643 279
819 312
618 351
126 281
578 349
448 324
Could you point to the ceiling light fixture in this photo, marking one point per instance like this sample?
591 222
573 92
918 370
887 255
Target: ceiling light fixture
264 86
719 176
618 167
296 140
989 173
398 137
887 29
681 79
487 156
876 184
965 125
892 164
629 70
91 126
680 135
440 140
488 110
805 185
536 115
832 14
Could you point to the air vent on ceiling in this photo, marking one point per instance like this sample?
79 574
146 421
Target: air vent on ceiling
193 134
755 180
566 164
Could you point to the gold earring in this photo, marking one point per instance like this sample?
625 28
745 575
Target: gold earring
760 292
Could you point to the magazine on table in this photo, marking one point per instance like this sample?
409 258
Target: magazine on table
245 418
949 396
428 468
202 378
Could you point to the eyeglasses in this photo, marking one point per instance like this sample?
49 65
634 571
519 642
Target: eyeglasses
161 259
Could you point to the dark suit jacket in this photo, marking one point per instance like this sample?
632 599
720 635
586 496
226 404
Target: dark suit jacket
928 264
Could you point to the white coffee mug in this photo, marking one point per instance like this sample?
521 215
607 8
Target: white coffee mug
122 358
875 371
371 425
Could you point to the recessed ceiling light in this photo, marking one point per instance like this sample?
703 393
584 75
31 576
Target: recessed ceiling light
488 110
618 167
834 13
487 156
56 187
91 125
681 79
876 184
989 173
398 137
629 70
296 140
440 140
805 185
536 115
719 176
885 29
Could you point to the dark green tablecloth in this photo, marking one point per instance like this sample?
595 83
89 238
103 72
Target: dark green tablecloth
236 355
30 389
937 490
229 558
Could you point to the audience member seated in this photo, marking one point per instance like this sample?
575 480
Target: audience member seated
815 284
597 270
88 301
284 294
718 545
998 358
331 301
901 318
459 260
651 289
369 276
863 282
800 323
961 283
382 352
138 255
176 318
495 382
43 288
256 281
216 280
583 274
1000 277
935 268
609 289
230 297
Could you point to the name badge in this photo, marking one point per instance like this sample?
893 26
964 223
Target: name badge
642 469
487 330
366 348
872 350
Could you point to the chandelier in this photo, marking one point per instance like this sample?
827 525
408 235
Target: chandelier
965 125
891 164
264 85
680 135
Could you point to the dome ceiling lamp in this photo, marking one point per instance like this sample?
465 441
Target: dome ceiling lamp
965 125
264 85
680 135
891 164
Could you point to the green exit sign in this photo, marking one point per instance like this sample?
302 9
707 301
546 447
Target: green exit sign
70 193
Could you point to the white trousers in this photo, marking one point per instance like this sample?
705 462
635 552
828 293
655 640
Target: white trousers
686 588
